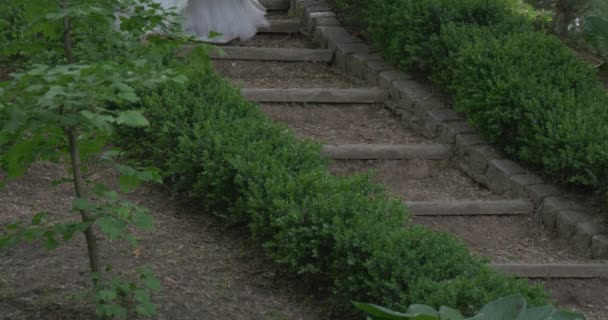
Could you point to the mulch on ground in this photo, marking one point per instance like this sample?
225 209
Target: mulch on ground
208 270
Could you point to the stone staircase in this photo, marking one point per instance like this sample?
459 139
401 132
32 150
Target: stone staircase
299 79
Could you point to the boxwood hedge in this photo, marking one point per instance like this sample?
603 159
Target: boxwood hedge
345 236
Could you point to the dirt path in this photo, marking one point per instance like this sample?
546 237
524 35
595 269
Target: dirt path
208 270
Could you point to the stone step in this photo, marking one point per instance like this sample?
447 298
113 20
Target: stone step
470 207
283 26
388 152
273 54
555 270
315 95
275 4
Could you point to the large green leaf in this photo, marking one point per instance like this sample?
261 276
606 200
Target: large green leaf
507 308
446 313
132 118
538 313
381 313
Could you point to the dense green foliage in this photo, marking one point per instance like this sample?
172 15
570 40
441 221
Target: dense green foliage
522 89
508 308
73 62
345 235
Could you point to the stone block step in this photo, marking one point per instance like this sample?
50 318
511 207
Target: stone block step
555 270
315 95
273 54
388 152
275 4
282 26
470 207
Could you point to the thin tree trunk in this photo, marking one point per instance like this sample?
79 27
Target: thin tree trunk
67 36
81 193
72 134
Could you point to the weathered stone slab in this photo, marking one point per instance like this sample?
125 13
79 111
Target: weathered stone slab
320 19
538 193
388 152
466 140
319 7
448 131
470 207
374 68
386 79
275 4
282 26
273 54
356 64
599 246
566 222
519 182
478 157
584 233
559 213
435 118
344 50
555 271
330 36
315 95
499 174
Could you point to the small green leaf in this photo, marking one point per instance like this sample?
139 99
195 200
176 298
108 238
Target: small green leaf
38 217
132 118
106 295
111 155
152 283
111 226
111 310
128 183
146 309
143 221
13 226
51 243
82 204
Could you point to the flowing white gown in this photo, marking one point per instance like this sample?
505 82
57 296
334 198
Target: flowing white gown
232 19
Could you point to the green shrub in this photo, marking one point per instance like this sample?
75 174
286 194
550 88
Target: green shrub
11 20
531 95
343 235
405 28
522 89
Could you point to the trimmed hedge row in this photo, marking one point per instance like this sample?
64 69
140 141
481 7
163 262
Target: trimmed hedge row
343 235
522 89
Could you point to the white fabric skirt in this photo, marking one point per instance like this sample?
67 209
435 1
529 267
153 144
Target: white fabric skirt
232 19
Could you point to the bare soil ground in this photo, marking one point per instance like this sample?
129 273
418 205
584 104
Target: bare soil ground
416 180
208 270
587 296
268 74
506 239
334 124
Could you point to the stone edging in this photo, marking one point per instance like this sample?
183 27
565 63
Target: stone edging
425 111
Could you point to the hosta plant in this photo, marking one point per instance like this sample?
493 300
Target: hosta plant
508 308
